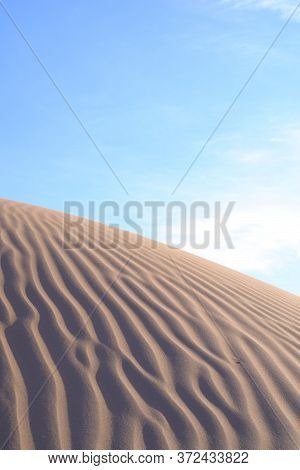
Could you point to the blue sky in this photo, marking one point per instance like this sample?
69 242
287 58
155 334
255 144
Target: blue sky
150 80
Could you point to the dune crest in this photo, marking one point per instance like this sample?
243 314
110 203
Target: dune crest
138 348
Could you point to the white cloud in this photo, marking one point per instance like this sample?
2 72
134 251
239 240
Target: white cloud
262 235
252 156
264 225
289 137
284 7
282 146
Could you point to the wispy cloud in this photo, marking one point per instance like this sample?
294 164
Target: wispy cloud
252 156
290 139
283 7
262 234
282 146
264 225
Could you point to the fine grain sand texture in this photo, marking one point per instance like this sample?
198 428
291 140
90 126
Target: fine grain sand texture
143 348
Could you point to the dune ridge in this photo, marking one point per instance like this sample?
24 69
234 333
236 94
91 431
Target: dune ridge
148 348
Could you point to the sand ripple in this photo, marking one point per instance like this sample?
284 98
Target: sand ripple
138 349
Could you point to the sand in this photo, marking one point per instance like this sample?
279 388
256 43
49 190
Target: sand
149 348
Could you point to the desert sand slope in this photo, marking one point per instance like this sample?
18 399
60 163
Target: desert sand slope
138 348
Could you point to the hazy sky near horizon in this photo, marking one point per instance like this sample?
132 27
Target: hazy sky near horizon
150 81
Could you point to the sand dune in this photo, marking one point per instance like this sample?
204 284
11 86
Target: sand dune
138 348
